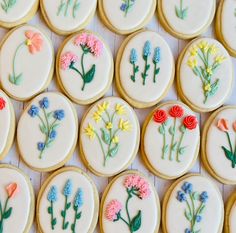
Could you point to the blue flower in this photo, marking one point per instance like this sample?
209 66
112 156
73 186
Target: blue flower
41 146
44 103
79 198
181 196
198 218
157 55
133 56
187 187
204 197
67 188
187 231
123 7
53 134
33 111
52 195
147 49
59 114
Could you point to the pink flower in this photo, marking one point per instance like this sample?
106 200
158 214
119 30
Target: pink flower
91 40
81 39
113 208
66 60
97 48
34 41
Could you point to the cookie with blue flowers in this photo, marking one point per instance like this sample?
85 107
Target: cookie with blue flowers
47 132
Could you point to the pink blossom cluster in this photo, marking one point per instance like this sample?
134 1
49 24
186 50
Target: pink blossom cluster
92 42
112 209
137 182
66 60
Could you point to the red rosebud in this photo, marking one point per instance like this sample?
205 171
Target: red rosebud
160 116
190 122
176 111
2 103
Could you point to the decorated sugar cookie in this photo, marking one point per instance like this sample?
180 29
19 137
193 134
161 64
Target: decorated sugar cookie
26 62
170 140
226 25
109 136
68 202
84 67
67 16
230 215
142 76
7 124
219 145
126 16
204 75
130 204
197 204
15 12
16 200
47 132
186 19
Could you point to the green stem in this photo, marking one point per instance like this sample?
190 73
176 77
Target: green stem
2 218
145 70
52 217
124 221
190 211
229 140
193 213
75 220
196 214
67 6
101 145
154 77
179 145
172 140
64 218
127 8
181 6
134 74
164 142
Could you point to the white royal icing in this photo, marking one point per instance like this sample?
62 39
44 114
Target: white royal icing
153 144
128 139
213 207
224 73
232 216
150 92
68 18
35 68
29 133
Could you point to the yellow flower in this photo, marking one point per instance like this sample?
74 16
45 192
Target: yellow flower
115 140
219 59
124 125
194 51
209 70
89 131
109 125
207 87
204 45
192 63
97 116
120 109
103 107
213 49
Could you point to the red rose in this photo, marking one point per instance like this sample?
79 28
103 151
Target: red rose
190 122
160 116
2 103
176 111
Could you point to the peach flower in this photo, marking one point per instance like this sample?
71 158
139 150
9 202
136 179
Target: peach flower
223 125
34 41
12 189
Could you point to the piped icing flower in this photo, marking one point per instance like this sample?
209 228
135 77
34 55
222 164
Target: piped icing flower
190 122
113 209
12 189
223 125
160 116
53 194
176 111
68 59
34 41
2 103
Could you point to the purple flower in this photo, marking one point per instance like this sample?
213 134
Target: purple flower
33 111
187 187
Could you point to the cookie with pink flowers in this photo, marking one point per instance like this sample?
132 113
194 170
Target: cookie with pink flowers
130 204
84 67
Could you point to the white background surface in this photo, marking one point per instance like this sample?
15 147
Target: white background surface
114 42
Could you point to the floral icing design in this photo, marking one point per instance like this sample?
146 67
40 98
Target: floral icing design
136 187
126 6
210 61
163 118
195 206
5 211
109 138
2 103
49 122
180 11
89 45
66 5
52 198
230 154
6 5
34 43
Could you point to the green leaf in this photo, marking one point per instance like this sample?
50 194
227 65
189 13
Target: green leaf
166 122
182 150
54 221
105 136
49 114
184 13
229 155
75 208
188 216
50 210
174 146
157 71
43 129
165 149
7 214
68 205
113 152
78 216
61 8
12 79
18 79
73 227
136 69
171 130
88 77
136 222
202 209
49 143
195 195
63 213
147 67
178 12
214 87
66 226
55 126
161 130
182 129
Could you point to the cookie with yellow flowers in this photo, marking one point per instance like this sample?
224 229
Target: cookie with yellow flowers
204 74
109 136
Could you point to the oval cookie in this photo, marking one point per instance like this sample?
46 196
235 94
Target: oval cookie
226 25
84 67
218 145
193 200
144 69
65 17
126 16
204 75
13 13
17 200
109 136
129 204
178 17
230 215
7 124
26 62
47 132
170 140
68 202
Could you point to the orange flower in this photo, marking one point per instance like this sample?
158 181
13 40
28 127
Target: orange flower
12 189
34 41
234 126
223 125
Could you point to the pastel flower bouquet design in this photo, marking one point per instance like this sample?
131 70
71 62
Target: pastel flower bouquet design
195 206
126 6
230 154
5 211
65 5
180 11
6 5
109 136
49 122
204 60
77 204
136 187
2 103
89 44
189 123
34 43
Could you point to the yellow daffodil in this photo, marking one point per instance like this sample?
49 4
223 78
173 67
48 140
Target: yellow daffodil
213 49
103 107
97 116
204 45
209 71
115 140
194 51
219 59
192 63
89 131
207 87
124 125
109 125
120 109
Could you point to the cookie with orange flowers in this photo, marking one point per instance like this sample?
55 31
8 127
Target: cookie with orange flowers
219 145
170 140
